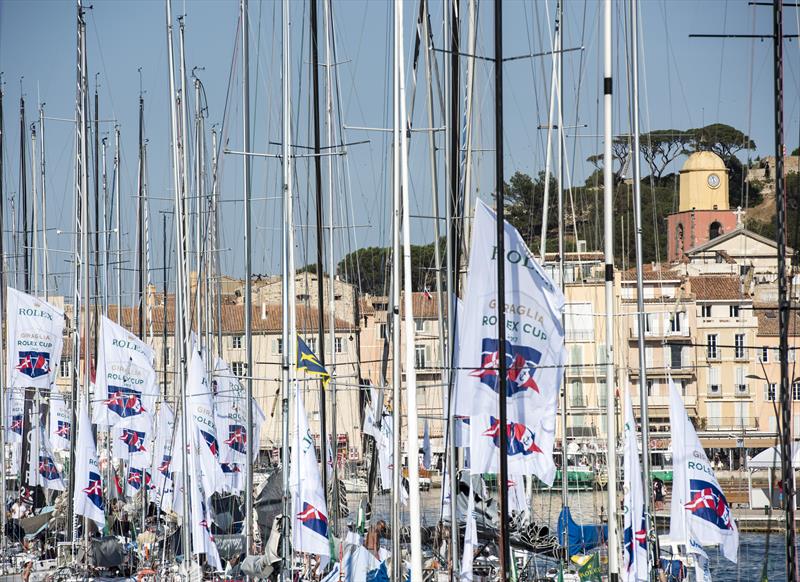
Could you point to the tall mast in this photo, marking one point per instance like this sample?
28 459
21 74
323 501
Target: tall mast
23 192
548 147
248 276
180 262
81 189
34 213
104 198
323 429
637 217
96 211
140 275
289 298
118 220
397 573
43 191
412 448
331 256
502 486
787 473
608 229
452 220
2 307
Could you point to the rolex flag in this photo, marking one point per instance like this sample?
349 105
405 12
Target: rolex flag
310 512
132 440
125 384
230 414
202 539
700 515
161 470
88 497
634 566
201 418
60 421
534 351
35 339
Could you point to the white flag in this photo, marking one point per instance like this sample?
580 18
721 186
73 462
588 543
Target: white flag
125 384
534 346
161 467
634 566
35 339
131 440
15 411
202 538
138 479
700 514
310 514
230 402
201 412
88 497
517 502
60 421
524 447
49 475
470 538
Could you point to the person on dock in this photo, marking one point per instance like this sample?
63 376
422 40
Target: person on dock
658 493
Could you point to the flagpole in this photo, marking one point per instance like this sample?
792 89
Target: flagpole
640 314
3 326
502 480
608 228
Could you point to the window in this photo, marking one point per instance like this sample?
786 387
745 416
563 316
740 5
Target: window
769 391
578 400
419 325
741 412
236 342
676 321
741 386
714 230
650 385
278 346
713 414
684 384
764 356
579 320
795 390
714 387
576 359
739 351
303 297
64 368
382 330
239 369
676 356
712 352
338 344
420 359
705 311
734 310
168 357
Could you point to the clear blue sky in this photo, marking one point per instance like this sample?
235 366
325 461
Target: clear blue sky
685 83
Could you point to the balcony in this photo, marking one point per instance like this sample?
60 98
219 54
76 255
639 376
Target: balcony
714 423
714 391
742 391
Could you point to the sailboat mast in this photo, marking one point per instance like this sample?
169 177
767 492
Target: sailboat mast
396 282
104 198
320 236
502 485
43 190
608 229
289 296
140 290
2 310
35 213
96 211
637 216
787 472
248 276
412 448
118 233
23 192
180 264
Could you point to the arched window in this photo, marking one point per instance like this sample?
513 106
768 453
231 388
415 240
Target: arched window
714 230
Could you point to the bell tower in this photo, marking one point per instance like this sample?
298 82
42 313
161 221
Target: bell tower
703 210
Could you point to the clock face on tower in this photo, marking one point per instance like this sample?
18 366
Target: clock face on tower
713 181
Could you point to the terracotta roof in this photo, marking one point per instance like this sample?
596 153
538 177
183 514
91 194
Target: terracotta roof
233 319
717 288
365 306
574 256
424 307
768 321
651 274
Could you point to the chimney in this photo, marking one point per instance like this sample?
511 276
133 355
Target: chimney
263 310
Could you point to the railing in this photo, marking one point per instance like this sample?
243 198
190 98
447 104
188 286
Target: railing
741 391
712 423
714 391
